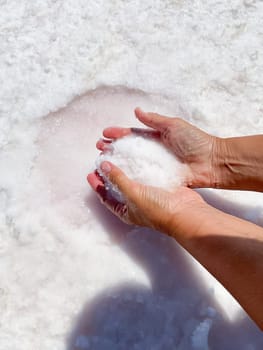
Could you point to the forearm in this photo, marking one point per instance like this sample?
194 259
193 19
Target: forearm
232 250
239 163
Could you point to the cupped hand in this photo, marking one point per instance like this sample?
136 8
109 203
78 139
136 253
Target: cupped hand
190 145
153 207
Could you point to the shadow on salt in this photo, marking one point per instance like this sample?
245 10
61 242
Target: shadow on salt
183 307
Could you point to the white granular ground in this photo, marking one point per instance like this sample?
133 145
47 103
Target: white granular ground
71 275
145 160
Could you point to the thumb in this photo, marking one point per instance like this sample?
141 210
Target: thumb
137 197
118 178
153 120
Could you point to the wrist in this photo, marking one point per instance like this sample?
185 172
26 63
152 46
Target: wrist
221 176
237 163
190 221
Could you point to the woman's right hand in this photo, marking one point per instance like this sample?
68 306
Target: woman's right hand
150 206
190 145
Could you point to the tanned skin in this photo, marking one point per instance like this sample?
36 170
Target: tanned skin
229 248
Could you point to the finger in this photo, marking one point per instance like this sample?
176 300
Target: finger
147 133
153 120
117 208
104 145
118 178
94 180
116 132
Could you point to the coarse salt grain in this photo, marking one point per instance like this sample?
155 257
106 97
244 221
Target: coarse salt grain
144 160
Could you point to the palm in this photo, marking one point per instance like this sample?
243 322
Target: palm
193 147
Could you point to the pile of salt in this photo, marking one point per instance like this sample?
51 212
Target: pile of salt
144 160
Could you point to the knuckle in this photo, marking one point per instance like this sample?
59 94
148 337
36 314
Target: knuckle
166 133
142 194
176 119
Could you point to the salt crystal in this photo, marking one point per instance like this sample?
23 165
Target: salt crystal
144 160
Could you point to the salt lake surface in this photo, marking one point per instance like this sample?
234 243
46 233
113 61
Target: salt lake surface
71 275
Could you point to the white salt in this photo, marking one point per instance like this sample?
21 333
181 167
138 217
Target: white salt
200 335
145 160
52 51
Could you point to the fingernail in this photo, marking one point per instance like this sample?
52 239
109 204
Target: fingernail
105 167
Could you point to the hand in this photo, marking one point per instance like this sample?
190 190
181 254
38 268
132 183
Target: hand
150 206
191 145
